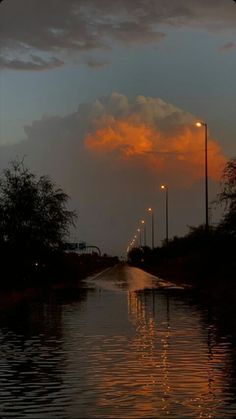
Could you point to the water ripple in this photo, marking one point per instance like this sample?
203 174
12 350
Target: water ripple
129 354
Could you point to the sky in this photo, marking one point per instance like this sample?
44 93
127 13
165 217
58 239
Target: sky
103 96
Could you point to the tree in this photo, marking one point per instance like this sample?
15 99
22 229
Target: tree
227 197
34 215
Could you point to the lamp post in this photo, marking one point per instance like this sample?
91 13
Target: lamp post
151 212
140 241
204 124
165 188
144 233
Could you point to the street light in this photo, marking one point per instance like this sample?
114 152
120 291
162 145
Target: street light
140 240
144 233
151 212
134 240
204 124
165 188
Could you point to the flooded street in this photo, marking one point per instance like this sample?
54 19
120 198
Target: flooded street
127 345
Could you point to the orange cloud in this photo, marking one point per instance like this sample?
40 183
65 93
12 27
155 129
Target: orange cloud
122 135
177 150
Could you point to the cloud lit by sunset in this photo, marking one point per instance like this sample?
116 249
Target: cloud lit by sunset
163 137
115 146
124 136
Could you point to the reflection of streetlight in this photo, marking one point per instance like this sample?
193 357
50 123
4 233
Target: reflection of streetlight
144 233
165 188
204 124
151 212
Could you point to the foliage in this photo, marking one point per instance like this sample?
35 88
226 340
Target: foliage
227 197
34 215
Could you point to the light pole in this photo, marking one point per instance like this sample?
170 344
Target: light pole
140 241
165 188
144 233
151 212
204 124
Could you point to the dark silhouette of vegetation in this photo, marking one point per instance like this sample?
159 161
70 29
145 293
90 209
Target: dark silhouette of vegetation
227 197
34 219
34 214
205 259
34 225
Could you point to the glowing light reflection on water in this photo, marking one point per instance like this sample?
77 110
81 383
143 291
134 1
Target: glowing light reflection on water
126 348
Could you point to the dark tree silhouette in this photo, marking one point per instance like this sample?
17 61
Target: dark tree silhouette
34 218
227 197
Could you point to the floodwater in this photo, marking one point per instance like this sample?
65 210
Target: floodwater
125 346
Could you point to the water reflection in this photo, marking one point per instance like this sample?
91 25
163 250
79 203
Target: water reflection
32 358
186 362
127 348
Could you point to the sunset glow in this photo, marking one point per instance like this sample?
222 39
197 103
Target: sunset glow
180 150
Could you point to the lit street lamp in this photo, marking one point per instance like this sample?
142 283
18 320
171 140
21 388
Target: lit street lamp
204 124
144 233
165 188
135 240
140 240
151 212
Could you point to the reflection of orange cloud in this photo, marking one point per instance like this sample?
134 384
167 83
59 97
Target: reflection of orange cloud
180 151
